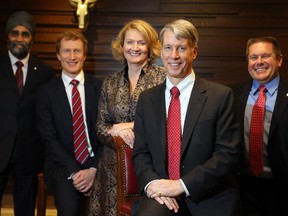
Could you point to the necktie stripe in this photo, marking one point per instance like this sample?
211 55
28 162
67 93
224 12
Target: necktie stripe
79 134
78 119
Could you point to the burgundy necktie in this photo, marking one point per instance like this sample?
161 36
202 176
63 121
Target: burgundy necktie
174 134
256 133
79 134
19 76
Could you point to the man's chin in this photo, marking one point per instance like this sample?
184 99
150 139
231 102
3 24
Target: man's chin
19 55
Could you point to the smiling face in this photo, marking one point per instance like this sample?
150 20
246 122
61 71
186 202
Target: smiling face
262 62
71 55
177 55
135 48
19 41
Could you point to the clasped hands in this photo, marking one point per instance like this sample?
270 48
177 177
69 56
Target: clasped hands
83 180
165 191
125 131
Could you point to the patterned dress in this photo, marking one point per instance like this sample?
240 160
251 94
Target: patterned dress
116 105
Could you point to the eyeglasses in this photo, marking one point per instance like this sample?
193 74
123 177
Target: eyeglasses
24 34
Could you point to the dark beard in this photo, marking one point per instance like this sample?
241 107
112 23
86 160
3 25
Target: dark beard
19 53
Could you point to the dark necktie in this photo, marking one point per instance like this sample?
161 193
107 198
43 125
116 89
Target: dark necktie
256 133
79 134
19 76
174 134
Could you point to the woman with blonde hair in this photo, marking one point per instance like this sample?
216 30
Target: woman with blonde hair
137 47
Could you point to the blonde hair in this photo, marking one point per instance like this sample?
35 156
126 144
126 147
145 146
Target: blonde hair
150 36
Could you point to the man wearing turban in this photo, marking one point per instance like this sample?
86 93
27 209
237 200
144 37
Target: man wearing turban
21 151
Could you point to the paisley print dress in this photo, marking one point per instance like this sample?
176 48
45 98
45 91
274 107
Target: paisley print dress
117 105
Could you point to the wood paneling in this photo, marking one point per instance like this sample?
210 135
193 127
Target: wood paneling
224 28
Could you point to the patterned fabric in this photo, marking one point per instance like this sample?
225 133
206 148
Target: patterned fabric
116 105
256 133
174 134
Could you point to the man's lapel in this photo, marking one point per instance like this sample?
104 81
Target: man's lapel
197 100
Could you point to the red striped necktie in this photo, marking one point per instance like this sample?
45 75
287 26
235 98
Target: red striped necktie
79 134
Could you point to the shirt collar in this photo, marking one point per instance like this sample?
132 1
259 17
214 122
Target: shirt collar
187 81
271 86
14 59
66 79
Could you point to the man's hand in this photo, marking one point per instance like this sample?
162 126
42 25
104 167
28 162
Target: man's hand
170 202
165 187
166 191
83 180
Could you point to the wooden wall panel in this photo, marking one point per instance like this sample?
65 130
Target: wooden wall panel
224 29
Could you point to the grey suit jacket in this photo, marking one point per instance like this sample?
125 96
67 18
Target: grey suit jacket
209 149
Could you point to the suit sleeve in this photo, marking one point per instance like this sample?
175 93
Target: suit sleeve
54 148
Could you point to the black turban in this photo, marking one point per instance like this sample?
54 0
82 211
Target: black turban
22 18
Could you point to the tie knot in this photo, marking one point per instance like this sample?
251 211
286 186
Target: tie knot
262 88
74 82
19 64
175 91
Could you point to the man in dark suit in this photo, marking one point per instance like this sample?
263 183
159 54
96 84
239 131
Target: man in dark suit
264 192
208 143
21 152
69 177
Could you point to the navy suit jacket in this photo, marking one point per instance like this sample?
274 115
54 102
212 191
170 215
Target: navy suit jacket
209 148
55 125
18 132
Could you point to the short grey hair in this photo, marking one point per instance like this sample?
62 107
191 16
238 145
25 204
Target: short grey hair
182 29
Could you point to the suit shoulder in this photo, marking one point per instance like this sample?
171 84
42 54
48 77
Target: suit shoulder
155 89
215 87
92 79
50 84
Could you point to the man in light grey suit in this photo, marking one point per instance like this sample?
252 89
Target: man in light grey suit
209 142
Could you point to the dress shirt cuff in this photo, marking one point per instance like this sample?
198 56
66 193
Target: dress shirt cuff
70 177
145 189
185 188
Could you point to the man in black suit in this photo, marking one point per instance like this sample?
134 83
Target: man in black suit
208 144
70 179
264 193
21 152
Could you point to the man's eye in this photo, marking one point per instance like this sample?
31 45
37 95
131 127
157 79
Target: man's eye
266 56
77 51
182 49
253 58
24 34
14 33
